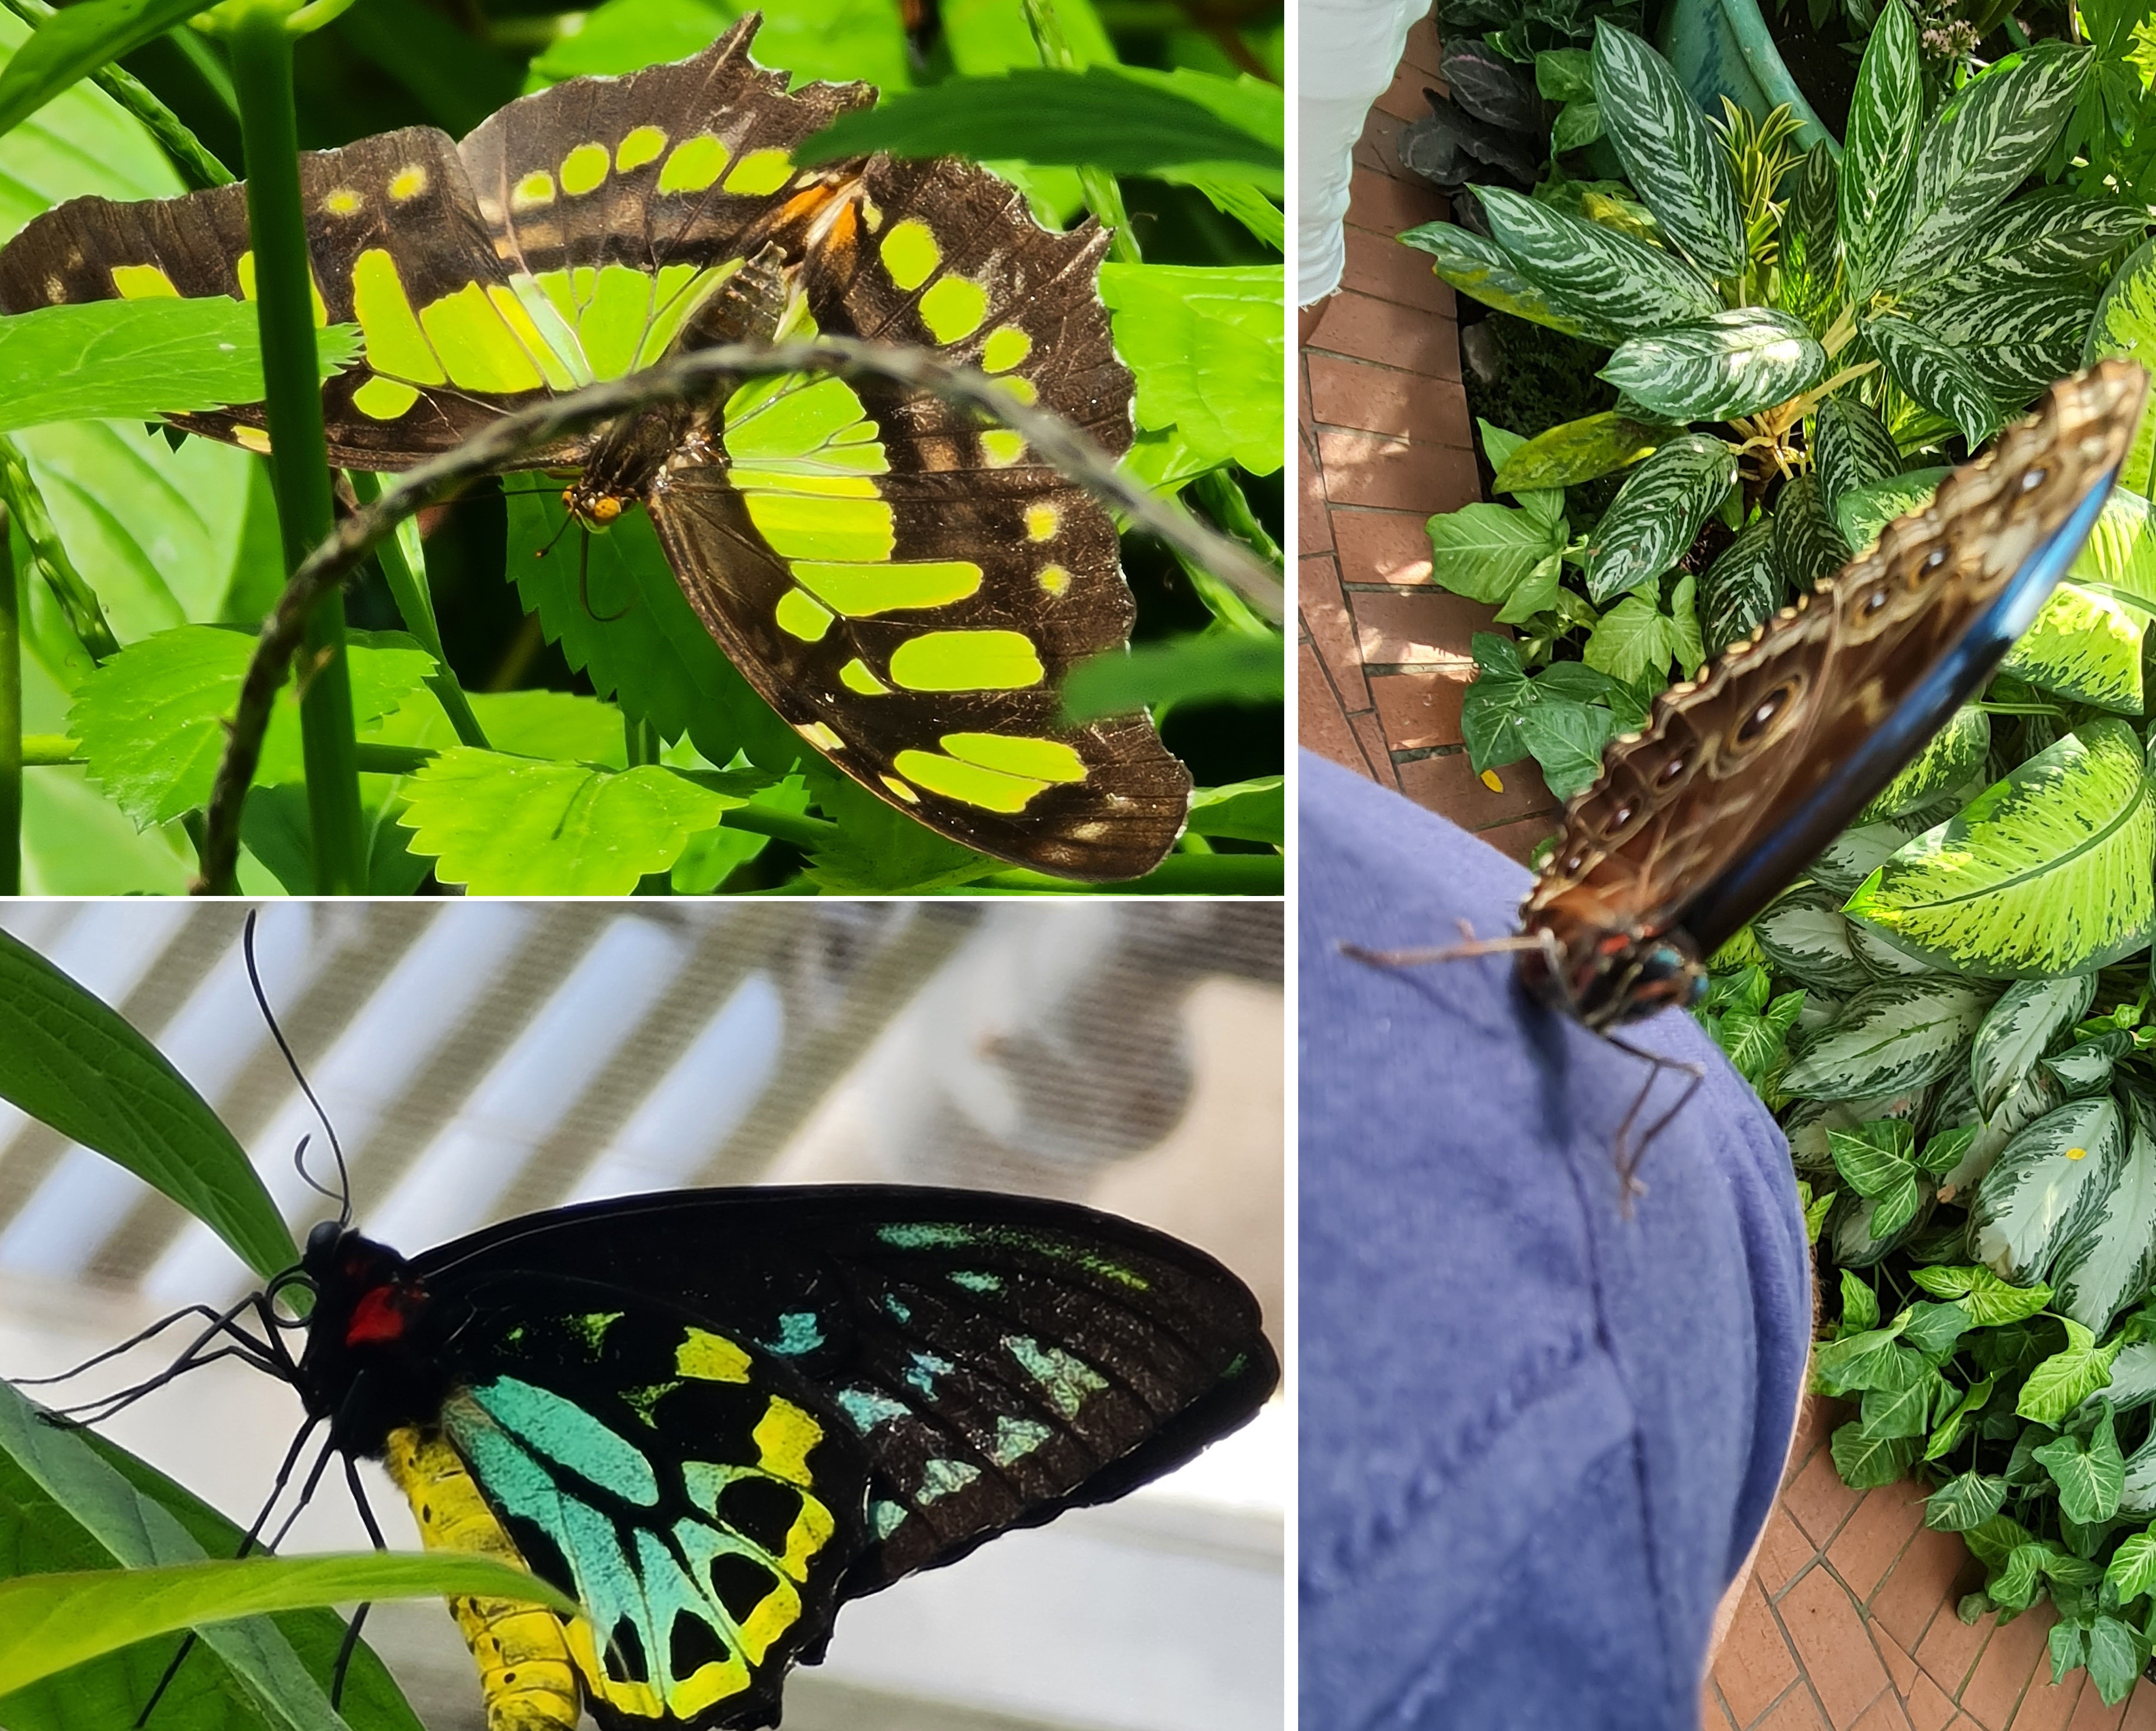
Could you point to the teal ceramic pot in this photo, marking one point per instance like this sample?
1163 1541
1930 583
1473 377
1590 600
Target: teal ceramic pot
1722 47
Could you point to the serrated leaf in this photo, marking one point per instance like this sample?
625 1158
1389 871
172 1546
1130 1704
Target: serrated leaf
1656 514
1668 153
1935 376
1612 285
1730 363
1208 345
1878 158
1896 1035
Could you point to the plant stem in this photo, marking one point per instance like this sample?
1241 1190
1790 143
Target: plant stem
1178 874
1102 196
11 717
49 558
298 455
41 749
189 154
402 559
1223 501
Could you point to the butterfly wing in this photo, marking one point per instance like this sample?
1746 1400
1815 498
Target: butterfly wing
1742 777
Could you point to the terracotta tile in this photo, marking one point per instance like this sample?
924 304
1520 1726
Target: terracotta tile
1754 1665
1313 526
1368 468
1372 738
1828 1635
2140 1707
2048 1706
1382 546
1381 399
1422 52
2091 1714
1995 1687
1884 1714
1302 388
1373 330
1420 709
1796 1711
1519 840
1385 205
1394 630
1379 265
1949 1649
1714 1716
1816 1419
1325 617
1929 1709
1818 1501
1449 786
1379 148
1899 1666
1872 1540
1921 1585
1784 1552
1320 723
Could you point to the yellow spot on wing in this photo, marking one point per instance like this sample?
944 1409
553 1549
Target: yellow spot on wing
953 308
966 661
710 1358
253 438
642 145
1002 448
143 282
1018 754
1024 390
802 524
783 1438
535 189
584 168
855 676
820 736
381 399
760 172
395 343
1054 581
910 252
800 616
900 789
967 782
480 350
409 183
342 202
695 164
1006 346
1041 521
860 590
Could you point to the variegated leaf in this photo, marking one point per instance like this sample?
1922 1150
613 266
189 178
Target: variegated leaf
2133 1377
1669 155
2043 1190
1897 1034
1849 1231
2119 557
1656 514
2019 338
1852 448
2047 235
1733 362
2125 324
1881 958
1810 272
1582 450
2109 1265
2138 1495
1878 158
1808 545
2084 645
2046 873
1861 850
1477 266
1804 935
1863 513
2029 1016
1603 279
1951 758
2086 1066
1982 145
1741 590
2037 1094
1935 377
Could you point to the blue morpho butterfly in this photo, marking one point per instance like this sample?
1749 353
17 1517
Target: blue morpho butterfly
713 1416
1742 776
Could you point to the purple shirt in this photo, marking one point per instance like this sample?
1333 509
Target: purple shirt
1538 1438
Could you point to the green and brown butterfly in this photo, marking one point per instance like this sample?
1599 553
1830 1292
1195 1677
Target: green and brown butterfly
906 586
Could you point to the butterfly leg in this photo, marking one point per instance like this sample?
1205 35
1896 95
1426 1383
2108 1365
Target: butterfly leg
1628 1156
350 1641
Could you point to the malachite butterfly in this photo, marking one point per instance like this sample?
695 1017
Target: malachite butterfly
907 587
714 1416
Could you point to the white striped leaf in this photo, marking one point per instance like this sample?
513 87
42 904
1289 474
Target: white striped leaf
1741 590
1849 1228
2037 1093
1669 155
1656 514
2087 1066
1894 1035
2089 1472
2044 1188
1878 158
1862 514
1951 758
1582 450
2029 1018
1605 280
1980 147
1936 376
1477 266
2133 1377
1969 1499
2110 1264
1808 280
2084 645
2019 338
2125 324
2119 557
1805 936
1882 959
1851 448
2047 235
1809 545
1861 850
2138 1495
1733 362
2046 873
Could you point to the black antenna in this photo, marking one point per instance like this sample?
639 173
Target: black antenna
343 1195
584 587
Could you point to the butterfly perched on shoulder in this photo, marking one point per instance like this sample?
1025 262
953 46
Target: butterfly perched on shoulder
1741 776
714 1416
906 587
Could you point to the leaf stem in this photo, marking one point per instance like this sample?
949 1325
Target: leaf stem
402 558
49 558
299 456
1225 502
1103 197
11 716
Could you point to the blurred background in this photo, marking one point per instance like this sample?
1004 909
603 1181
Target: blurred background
487 1059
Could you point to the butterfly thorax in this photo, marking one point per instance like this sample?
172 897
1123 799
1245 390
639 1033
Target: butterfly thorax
1603 977
372 1361
628 459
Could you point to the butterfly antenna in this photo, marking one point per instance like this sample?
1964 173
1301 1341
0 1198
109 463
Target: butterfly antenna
552 539
584 587
343 1195
1469 944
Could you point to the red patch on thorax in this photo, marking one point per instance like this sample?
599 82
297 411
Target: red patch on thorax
382 1313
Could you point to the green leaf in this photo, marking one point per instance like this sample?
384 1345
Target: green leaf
2125 324
1804 933
2115 1656
2020 1028
1209 344
878 851
1576 451
1215 667
2132 1570
1612 284
152 718
1172 125
2046 1187
1967 1500
1856 1362
1935 375
1875 1159
1865 1462
2046 873
1808 545
2064 1381
72 1063
510 826
1852 448
1564 74
1577 126
1742 589
833 39
1668 153
1955 1423
1254 811
2017 337
1951 758
1815 1213
73 43
1878 157
1860 1304
2086 647
1808 283
139 359
1890 1037
2089 1474
1905 1412
49 1622
1730 363
1478 267
2110 1264
1633 641
1656 514
1863 511
1485 551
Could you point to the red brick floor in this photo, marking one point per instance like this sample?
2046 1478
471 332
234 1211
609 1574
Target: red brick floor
1385 441
1850 1623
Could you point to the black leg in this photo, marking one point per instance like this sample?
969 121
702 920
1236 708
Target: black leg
1627 1155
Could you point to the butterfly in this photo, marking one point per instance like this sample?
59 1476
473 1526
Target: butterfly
906 588
714 1416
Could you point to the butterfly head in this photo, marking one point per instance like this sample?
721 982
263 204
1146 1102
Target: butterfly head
594 507
1602 978
373 1315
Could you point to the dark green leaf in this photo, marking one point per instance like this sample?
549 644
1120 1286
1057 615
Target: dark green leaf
1212 669
1965 1501
1669 154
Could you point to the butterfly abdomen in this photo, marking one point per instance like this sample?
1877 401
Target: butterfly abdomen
525 1671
